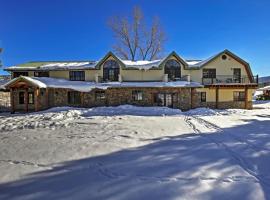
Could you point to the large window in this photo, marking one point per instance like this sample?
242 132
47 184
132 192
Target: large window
173 69
209 73
76 75
17 74
110 70
100 95
137 95
74 98
21 97
203 96
239 96
41 74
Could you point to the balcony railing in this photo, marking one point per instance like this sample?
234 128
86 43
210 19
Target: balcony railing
229 79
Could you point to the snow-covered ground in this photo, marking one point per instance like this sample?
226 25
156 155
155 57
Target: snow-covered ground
129 152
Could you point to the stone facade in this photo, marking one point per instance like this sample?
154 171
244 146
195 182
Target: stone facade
120 96
182 98
4 101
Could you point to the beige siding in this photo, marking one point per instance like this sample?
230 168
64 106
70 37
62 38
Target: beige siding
59 74
223 68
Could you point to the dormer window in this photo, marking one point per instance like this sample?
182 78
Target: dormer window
173 69
110 70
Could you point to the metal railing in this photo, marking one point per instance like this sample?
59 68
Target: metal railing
227 79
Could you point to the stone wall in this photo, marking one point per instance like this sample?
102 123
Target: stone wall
183 98
120 96
4 101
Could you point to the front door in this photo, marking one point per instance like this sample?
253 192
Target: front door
165 99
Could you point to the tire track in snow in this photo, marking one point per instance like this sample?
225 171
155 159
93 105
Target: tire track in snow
16 162
248 167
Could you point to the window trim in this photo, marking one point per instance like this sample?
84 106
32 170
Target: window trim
73 76
108 67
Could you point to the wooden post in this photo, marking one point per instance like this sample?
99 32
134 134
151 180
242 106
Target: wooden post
36 99
47 97
26 99
246 97
12 100
217 96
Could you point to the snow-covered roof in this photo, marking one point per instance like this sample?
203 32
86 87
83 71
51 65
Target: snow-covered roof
264 88
141 64
61 65
84 86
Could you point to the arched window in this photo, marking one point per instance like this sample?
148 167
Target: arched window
110 70
173 69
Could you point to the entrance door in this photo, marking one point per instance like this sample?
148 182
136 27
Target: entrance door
165 99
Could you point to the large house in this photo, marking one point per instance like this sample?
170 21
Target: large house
221 81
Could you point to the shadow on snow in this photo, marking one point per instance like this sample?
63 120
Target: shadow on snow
192 166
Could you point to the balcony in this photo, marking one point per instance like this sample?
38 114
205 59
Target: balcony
230 79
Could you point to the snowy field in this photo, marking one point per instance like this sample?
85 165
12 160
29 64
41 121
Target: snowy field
132 152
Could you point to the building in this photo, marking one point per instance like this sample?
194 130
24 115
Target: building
221 81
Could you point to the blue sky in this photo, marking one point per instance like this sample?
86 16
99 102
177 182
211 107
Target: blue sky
76 29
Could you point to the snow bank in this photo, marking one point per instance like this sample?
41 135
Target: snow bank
64 116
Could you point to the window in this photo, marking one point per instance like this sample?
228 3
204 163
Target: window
76 75
224 57
165 99
110 70
41 74
31 98
17 74
21 97
173 69
237 75
209 73
137 95
239 96
203 96
74 97
100 95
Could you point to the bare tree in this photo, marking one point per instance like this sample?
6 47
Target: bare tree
134 40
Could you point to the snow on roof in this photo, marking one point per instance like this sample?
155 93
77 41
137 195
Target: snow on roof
141 64
69 65
264 88
55 65
84 86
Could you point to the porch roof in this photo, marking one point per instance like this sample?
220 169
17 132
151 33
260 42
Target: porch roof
85 86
